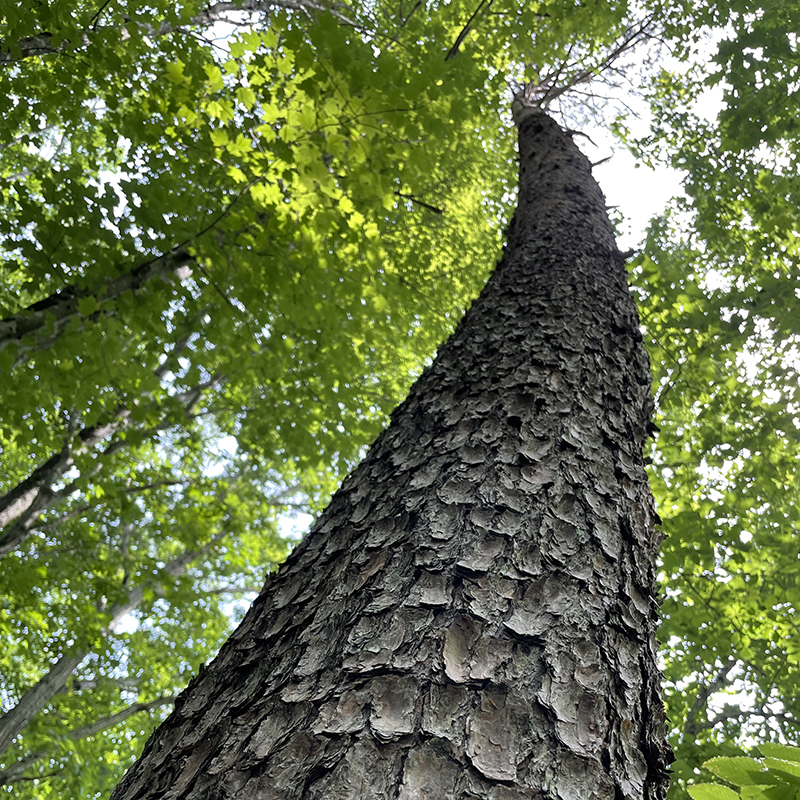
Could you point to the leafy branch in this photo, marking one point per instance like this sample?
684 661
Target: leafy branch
46 43
21 505
16 771
54 313
36 699
774 777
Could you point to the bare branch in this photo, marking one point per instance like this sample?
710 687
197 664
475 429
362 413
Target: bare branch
453 51
543 90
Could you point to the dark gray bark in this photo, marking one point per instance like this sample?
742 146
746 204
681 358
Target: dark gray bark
474 614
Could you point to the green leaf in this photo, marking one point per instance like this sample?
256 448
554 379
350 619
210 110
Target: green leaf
214 75
219 137
246 96
739 770
782 751
711 791
787 770
88 305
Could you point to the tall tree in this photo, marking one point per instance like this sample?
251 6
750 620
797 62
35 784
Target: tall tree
474 614
263 236
257 240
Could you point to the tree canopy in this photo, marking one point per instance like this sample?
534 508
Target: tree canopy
232 234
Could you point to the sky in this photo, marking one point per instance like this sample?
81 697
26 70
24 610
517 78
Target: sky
638 191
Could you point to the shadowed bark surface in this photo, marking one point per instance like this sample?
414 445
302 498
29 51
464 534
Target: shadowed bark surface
473 616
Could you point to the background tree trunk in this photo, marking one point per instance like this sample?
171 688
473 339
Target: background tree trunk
474 613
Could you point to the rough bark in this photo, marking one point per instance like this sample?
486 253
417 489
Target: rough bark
474 614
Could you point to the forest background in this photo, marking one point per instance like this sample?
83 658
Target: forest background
263 240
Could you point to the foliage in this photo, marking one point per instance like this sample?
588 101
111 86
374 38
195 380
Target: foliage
228 250
775 777
717 284
286 173
226 253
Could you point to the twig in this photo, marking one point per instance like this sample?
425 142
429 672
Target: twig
453 51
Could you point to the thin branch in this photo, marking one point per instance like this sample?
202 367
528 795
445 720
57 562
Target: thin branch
16 771
21 506
104 723
77 511
23 496
40 497
61 307
402 25
86 684
554 89
453 51
692 727
737 712
22 136
417 201
235 590
93 20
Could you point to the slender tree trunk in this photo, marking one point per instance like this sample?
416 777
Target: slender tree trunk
17 770
22 505
474 614
39 696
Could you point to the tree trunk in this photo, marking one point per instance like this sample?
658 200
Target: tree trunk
16 772
474 614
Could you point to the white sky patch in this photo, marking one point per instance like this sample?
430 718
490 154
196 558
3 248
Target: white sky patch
296 526
128 624
636 190
640 192
226 448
